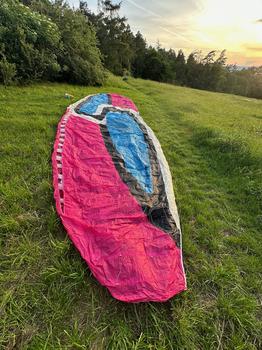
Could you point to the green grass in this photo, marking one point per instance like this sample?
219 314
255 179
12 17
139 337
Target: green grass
49 299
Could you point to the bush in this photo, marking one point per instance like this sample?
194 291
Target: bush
7 72
30 42
48 41
79 56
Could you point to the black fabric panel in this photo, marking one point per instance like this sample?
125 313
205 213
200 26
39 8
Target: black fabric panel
98 117
154 205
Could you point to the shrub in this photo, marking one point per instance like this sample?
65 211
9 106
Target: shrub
30 41
7 72
79 56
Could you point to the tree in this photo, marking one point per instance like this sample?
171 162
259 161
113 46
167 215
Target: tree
140 47
115 38
180 68
111 8
193 69
155 67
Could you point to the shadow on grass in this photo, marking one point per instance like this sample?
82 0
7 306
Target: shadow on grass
232 159
231 153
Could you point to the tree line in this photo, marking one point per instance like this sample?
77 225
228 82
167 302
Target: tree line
48 40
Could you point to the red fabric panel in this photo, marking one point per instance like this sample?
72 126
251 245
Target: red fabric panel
123 102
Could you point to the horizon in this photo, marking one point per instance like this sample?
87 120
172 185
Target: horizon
198 25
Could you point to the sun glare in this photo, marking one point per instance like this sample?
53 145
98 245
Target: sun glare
224 12
232 24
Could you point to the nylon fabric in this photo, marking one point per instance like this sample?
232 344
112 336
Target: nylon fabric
91 105
130 142
103 211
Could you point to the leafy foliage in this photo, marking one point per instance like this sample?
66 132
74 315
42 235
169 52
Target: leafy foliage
79 57
49 41
115 39
122 51
29 41
7 71
246 82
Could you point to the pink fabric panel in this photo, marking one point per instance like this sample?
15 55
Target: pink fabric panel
135 260
123 102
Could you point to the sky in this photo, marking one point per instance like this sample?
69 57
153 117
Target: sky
234 25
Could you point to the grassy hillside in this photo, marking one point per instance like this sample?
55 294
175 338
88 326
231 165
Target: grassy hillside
49 299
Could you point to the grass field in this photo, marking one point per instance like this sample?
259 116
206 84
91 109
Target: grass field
48 297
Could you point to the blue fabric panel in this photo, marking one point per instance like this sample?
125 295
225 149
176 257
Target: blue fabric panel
90 106
130 142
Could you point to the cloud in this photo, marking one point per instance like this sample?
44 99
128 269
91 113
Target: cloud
144 9
254 48
162 18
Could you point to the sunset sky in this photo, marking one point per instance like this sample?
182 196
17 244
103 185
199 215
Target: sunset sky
234 25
